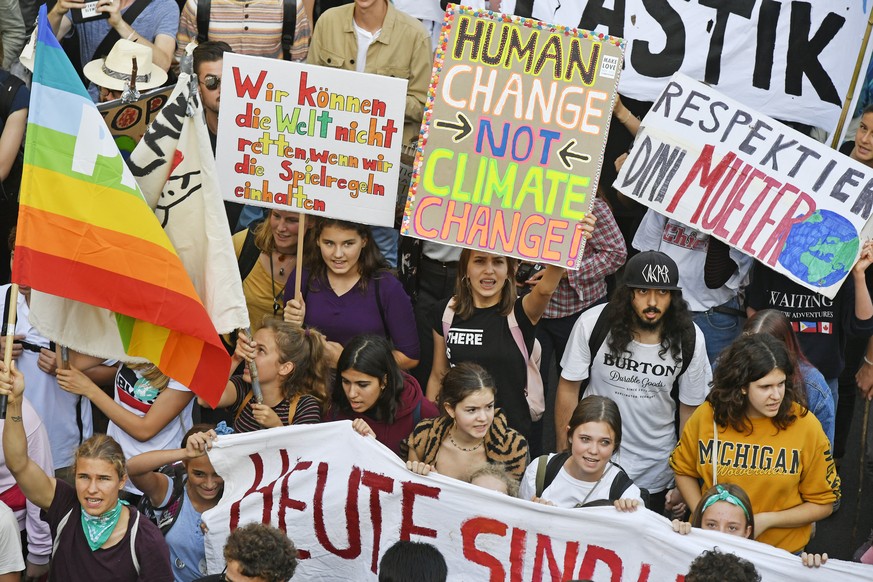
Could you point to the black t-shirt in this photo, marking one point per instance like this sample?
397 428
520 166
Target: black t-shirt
485 339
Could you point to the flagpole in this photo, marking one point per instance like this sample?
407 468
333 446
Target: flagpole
298 277
835 140
10 337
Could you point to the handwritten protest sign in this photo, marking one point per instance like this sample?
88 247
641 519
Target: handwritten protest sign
310 139
128 122
791 60
516 118
344 499
720 167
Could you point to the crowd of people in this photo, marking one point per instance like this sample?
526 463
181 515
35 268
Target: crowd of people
691 394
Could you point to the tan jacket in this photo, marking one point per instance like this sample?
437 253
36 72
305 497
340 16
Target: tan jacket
403 50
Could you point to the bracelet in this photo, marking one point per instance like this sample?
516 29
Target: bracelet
131 35
866 361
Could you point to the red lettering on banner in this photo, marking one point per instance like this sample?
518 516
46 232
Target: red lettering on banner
470 530
353 522
777 239
266 491
376 483
516 554
544 550
708 179
410 491
596 554
285 501
645 570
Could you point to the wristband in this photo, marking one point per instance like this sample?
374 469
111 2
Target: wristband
131 35
866 361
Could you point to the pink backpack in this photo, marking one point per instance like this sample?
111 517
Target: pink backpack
533 391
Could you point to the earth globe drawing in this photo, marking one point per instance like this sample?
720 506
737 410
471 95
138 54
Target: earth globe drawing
821 250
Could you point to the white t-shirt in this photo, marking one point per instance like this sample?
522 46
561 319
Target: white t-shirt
365 39
567 491
134 398
687 247
422 9
640 384
10 542
56 407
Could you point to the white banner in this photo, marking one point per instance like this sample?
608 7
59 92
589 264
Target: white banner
791 60
310 139
722 168
344 499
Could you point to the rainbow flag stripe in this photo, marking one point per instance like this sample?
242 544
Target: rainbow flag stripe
86 233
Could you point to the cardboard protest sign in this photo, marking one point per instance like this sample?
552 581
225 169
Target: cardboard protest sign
344 499
791 60
516 122
724 169
128 122
310 139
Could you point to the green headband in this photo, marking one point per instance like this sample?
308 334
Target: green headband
725 495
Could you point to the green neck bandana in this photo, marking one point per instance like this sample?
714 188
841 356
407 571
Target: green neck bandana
98 528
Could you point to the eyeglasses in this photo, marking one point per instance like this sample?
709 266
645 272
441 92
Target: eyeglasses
211 82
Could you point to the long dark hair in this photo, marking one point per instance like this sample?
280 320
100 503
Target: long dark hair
774 323
748 359
463 297
676 324
371 355
370 262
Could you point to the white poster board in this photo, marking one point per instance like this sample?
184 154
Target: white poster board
722 168
310 139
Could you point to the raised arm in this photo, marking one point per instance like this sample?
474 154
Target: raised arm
438 369
38 487
141 468
244 352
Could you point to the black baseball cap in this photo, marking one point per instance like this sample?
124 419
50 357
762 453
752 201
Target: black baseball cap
652 270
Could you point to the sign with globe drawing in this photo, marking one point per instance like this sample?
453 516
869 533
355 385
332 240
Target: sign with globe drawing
726 170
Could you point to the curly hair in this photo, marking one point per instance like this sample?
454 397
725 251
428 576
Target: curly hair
370 262
262 551
716 566
371 355
463 296
747 360
676 324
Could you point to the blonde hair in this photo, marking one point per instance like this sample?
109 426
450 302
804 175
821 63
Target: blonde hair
498 471
264 236
150 372
305 349
103 448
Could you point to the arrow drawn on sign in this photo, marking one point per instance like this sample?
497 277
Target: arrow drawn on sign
463 127
566 154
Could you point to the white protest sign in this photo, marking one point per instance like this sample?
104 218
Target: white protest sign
310 139
791 60
344 499
722 168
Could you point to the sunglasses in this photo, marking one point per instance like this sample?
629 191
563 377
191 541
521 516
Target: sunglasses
211 82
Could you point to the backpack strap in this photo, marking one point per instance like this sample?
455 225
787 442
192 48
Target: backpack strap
61 525
204 9
517 336
292 407
619 485
549 469
416 414
248 398
249 253
448 319
8 90
133 532
112 36
289 26
689 344
595 341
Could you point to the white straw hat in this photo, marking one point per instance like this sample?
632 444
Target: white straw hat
114 71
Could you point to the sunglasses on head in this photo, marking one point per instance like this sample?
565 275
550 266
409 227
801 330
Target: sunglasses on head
211 82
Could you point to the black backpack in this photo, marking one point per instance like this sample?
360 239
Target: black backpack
169 512
548 469
598 336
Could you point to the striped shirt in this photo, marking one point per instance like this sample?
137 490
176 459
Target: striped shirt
250 27
308 410
604 254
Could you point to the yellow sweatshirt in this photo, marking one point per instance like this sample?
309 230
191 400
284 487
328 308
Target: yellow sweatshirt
779 469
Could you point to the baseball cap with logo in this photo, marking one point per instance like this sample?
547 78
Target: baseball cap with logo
652 270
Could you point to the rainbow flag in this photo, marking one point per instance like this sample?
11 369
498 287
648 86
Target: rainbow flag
85 233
